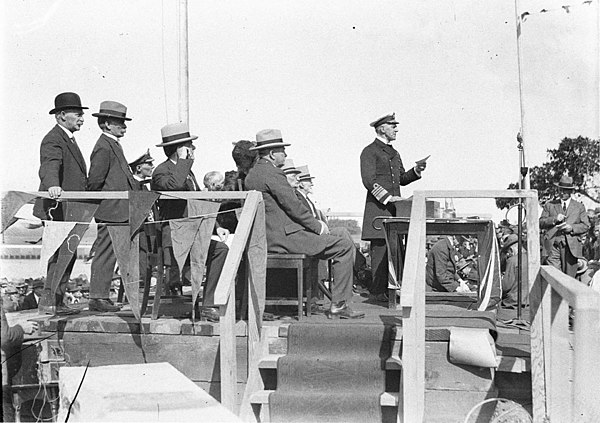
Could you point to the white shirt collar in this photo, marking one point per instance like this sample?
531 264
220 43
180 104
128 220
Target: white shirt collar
383 140
69 133
111 136
137 178
567 203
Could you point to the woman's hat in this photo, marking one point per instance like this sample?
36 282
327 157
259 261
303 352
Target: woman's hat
269 138
566 182
175 133
112 109
66 101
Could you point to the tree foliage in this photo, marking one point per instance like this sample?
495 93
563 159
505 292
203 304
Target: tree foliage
578 158
350 224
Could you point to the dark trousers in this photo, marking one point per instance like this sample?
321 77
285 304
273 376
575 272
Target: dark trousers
103 264
341 253
379 266
64 280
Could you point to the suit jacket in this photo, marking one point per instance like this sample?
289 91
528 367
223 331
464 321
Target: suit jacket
441 271
382 175
576 216
304 200
169 176
63 165
291 227
109 171
29 302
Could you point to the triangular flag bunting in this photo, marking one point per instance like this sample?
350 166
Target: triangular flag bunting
54 235
183 233
11 203
202 207
66 252
199 253
127 253
140 204
79 211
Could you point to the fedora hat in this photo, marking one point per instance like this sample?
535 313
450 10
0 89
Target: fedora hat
269 138
175 133
304 174
66 101
112 109
289 168
566 182
391 119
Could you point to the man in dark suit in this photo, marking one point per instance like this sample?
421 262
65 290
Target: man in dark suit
62 168
109 171
442 267
31 300
565 221
175 174
292 228
382 174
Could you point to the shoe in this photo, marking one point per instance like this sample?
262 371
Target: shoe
358 289
210 314
65 310
102 305
342 311
381 298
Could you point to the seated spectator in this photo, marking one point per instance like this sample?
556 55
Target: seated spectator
213 181
244 158
32 299
510 288
442 267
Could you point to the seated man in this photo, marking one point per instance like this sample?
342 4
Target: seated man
291 227
175 174
442 271
510 286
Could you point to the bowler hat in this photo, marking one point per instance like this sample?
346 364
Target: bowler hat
304 174
269 138
289 168
566 182
66 101
391 119
144 158
175 133
112 109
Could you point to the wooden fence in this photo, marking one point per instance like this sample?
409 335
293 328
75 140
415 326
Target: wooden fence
565 383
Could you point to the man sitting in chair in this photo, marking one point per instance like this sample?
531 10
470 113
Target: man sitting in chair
290 225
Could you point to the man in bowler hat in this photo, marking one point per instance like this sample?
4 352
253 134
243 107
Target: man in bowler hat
62 168
565 221
382 174
292 228
109 171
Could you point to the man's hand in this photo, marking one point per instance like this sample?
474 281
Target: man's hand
55 192
223 234
463 287
420 167
395 198
565 227
184 152
324 228
29 327
560 218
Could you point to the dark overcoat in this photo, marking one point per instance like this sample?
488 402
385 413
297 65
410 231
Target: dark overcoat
576 216
441 271
109 171
290 226
61 165
382 175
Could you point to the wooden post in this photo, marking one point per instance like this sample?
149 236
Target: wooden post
559 360
412 301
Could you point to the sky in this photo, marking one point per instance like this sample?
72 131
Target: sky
319 71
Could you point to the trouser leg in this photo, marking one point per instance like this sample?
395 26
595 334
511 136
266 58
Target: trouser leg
341 252
103 265
217 253
51 270
379 266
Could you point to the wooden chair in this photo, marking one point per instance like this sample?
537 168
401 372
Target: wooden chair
306 270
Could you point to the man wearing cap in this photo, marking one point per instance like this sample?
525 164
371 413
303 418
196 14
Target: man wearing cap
382 174
142 168
62 168
292 228
565 220
175 174
109 171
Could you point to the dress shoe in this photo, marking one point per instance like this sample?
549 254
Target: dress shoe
342 311
65 310
102 305
210 314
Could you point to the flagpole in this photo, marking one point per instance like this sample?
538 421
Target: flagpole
184 101
523 175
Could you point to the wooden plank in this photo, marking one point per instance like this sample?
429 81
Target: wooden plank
228 354
539 311
412 301
164 195
578 295
586 369
387 399
558 362
445 406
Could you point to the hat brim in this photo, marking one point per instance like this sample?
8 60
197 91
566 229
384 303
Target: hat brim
179 141
58 109
108 115
271 145
557 184
292 172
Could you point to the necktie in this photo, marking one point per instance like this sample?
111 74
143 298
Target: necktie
564 207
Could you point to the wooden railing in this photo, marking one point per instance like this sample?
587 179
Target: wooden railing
553 397
249 241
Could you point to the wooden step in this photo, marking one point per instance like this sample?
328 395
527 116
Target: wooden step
388 399
270 362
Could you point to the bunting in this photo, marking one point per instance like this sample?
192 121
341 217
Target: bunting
566 8
55 233
140 205
79 211
11 203
127 252
66 252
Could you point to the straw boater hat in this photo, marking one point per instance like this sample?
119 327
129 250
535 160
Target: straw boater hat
391 119
289 168
144 158
566 182
269 138
304 174
112 109
175 133
65 101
